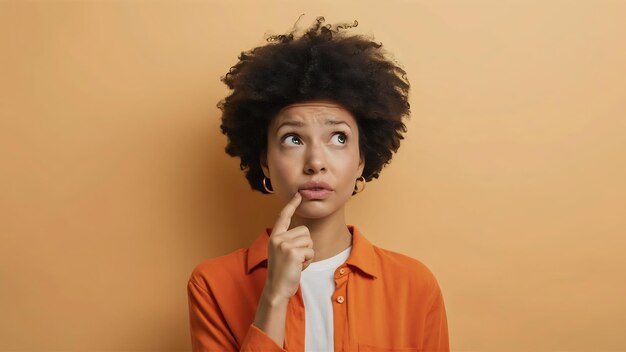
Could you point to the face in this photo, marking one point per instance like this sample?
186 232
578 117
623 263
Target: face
313 141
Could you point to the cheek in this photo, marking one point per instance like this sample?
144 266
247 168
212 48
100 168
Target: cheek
344 171
349 168
284 169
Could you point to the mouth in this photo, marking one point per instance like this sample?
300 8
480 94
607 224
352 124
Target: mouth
315 193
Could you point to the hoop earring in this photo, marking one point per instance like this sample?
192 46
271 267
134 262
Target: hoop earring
356 190
265 186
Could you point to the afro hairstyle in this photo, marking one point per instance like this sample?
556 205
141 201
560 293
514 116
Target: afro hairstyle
323 63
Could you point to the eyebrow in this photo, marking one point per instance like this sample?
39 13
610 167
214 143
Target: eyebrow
301 124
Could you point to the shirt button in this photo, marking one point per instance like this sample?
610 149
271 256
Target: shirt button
340 299
342 270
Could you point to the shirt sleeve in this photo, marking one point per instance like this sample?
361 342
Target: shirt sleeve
436 327
210 332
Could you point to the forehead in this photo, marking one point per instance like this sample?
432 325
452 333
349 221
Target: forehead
316 108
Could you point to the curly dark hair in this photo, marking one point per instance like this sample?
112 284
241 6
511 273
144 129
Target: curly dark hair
323 63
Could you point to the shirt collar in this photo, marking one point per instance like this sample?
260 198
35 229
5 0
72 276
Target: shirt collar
362 256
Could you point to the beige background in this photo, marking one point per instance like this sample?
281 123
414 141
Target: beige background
509 184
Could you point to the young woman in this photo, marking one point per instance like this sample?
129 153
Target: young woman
313 119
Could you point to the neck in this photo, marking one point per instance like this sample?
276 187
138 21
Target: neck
330 235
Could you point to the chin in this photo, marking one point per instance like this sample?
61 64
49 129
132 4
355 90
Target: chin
315 209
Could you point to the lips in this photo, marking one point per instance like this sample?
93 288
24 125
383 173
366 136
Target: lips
315 185
315 190
320 193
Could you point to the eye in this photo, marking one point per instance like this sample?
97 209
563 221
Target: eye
343 137
290 137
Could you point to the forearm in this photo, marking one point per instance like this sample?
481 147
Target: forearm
270 316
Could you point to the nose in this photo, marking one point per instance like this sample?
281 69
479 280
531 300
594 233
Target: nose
315 159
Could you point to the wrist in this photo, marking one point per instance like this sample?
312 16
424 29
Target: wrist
273 299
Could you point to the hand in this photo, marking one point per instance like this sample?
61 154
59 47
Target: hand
289 252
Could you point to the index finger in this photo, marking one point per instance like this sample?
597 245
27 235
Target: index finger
284 219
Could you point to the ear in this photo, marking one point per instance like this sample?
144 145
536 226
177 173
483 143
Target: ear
263 162
361 164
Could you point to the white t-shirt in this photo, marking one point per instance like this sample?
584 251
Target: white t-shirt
318 284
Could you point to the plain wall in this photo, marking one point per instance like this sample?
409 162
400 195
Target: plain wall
114 182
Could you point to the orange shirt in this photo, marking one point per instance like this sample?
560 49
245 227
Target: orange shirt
383 301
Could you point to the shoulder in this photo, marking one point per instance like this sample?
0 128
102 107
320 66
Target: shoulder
214 270
402 268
